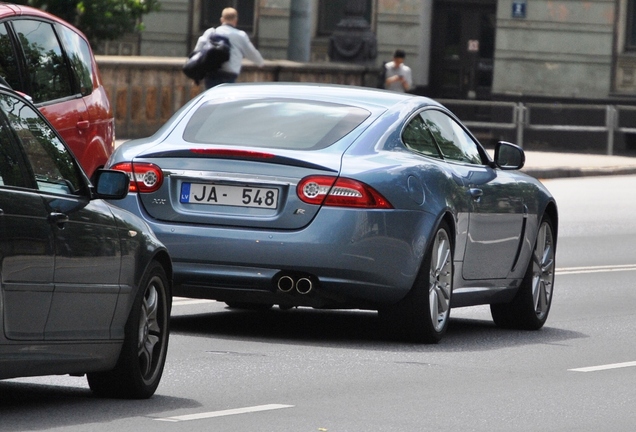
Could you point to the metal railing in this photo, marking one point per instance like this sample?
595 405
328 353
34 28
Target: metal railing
517 116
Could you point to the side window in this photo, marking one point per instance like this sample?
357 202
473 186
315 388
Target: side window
46 67
53 166
12 172
79 55
466 144
8 62
453 141
417 137
630 31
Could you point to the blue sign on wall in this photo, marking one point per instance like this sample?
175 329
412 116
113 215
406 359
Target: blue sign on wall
519 9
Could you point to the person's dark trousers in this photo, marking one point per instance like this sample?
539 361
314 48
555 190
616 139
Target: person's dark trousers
220 77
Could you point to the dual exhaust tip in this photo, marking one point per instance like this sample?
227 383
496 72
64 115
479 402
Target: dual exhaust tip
302 285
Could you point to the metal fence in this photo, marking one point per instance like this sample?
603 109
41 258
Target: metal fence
523 117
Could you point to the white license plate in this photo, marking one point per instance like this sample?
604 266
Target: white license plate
241 196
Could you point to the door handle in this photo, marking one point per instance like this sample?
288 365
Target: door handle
83 124
476 193
58 219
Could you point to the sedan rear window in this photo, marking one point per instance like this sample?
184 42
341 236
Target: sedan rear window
273 123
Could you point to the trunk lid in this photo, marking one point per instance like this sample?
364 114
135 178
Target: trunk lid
240 191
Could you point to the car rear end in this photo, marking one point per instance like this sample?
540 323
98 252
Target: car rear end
246 194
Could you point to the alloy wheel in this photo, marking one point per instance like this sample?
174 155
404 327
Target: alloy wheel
441 278
150 331
543 270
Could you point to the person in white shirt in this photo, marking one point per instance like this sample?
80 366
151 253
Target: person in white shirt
240 47
398 75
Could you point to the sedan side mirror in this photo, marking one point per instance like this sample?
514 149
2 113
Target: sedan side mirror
509 156
111 184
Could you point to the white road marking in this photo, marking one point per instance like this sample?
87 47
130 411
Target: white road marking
596 269
229 412
182 301
604 367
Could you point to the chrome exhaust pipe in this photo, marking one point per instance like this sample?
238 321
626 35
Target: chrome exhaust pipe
304 286
285 283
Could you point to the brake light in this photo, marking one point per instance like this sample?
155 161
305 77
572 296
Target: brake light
233 153
340 192
144 177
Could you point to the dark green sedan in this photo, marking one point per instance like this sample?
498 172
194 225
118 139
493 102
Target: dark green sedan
86 287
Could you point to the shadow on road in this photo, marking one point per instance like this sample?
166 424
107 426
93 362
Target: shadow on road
35 407
304 326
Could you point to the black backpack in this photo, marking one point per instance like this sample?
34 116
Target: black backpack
382 76
214 53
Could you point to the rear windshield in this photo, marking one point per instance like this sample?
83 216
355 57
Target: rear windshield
273 123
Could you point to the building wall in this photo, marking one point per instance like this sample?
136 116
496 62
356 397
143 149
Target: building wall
273 28
406 25
166 31
561 49
625 71
401 24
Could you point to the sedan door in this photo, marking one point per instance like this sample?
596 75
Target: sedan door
26 247
87 250
497 214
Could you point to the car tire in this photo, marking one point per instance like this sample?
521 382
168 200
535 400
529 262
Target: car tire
423 315
143 354
530 307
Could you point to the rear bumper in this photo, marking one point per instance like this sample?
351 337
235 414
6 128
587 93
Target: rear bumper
355 258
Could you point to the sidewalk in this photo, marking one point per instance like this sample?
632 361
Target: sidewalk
547 165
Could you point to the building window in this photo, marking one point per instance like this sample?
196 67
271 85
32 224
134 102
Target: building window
630 36
331 12
211 14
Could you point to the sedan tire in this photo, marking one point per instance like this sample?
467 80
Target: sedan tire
529 309
423 315
143 353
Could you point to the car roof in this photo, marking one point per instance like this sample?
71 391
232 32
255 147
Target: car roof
354 95
10 9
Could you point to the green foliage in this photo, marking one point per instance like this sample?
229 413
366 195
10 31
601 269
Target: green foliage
99 20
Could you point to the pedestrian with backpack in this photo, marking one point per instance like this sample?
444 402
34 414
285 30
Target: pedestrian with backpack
239 44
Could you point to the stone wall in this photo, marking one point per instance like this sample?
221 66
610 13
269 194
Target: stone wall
146 91
561 49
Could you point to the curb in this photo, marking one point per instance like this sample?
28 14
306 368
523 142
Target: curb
552 173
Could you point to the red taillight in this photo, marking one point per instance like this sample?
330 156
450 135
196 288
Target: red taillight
340 192
144 177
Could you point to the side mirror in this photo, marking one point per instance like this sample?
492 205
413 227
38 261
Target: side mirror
509 156
110 184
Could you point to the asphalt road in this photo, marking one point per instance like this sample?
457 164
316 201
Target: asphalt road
305 370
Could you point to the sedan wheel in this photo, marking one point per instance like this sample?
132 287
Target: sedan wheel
440 281
423 315
143 353
529 309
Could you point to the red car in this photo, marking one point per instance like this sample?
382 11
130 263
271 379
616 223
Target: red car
51 61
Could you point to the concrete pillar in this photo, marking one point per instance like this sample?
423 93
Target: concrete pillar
299 48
